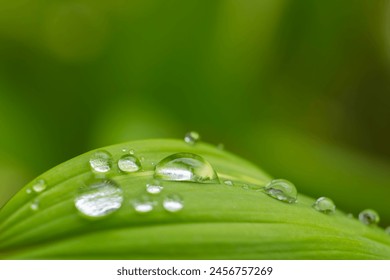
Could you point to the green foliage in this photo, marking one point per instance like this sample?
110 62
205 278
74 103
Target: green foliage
218 221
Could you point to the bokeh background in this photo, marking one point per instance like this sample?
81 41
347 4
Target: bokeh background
301 88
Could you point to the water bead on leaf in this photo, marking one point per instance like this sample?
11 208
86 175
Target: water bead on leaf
154 187
99 199
369 217
325 205
282 190
173 203
143 205
192 137
185 167
129 163
101 162
39 186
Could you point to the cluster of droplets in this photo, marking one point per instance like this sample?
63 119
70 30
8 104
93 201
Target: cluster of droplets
38 186
104 196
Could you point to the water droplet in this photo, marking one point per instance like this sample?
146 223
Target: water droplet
34 205
99 199
185 167
101 162
192 137
132 152
143 205
369 217
28 191
387 230
325 205
154 187
142 158
128 163
124 150
173 203
39 186
228 182
282 190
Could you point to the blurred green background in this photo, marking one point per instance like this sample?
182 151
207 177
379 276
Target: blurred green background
301 88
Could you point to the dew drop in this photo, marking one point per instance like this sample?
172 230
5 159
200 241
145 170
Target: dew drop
28 191
124 150
129 163
192 137
101 162
228 182
282 190
173 203
34 205
143 205
369 217
99 199
132 152
154 187
39 186
324 205
185 167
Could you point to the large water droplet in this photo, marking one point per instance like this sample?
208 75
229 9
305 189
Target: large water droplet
369 217
173 203
101 162
128 163
99 199
185 167
39 186
282 190
143 204
325 205
192 137
154 187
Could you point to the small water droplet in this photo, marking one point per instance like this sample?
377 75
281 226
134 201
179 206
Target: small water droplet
192 137
34 205
124 150
142 158
154 187
28 191
387 230
132 152
99 199
228 182
282 190
173 203
101 162
369 217
128 163
143 204
39 186
325 205
185 167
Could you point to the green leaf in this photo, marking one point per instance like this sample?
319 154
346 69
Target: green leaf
218 221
